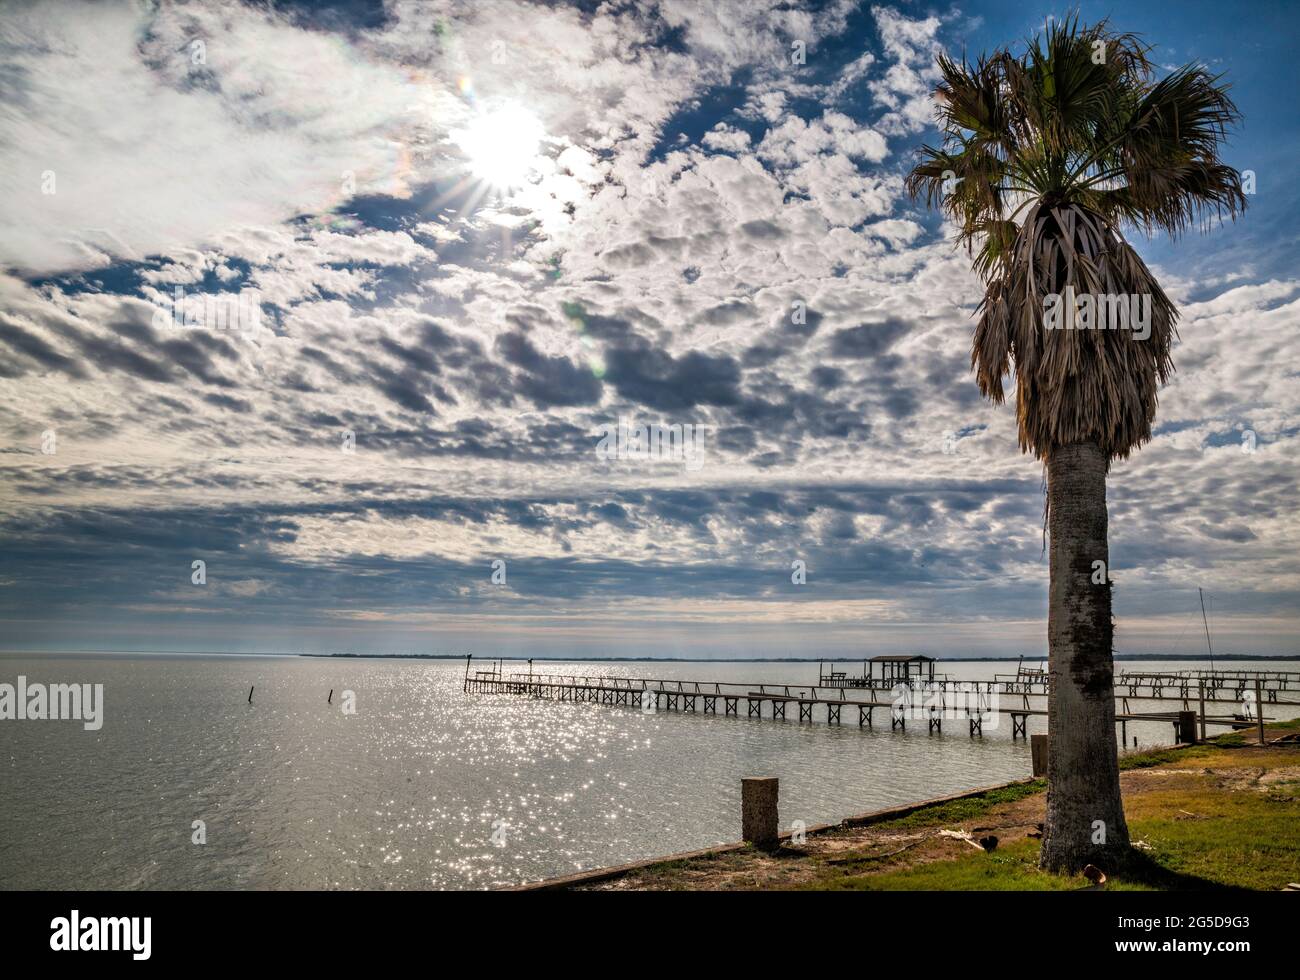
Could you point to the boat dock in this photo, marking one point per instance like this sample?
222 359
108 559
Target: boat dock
931 703
1214 686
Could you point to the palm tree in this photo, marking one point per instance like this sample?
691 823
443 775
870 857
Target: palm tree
1045 157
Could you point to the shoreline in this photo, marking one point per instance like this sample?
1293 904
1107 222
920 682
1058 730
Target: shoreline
598 875
1201 815
460 657
1128 657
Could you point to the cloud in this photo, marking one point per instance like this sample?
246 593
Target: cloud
906 87
726 139
709 234
797 141
197 140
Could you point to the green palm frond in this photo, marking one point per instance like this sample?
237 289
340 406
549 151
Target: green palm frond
1046 155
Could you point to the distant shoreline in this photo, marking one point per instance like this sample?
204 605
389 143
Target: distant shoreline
460 657
767 660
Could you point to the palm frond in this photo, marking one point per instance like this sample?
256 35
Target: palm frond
1046 155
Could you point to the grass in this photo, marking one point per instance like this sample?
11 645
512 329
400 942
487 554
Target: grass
970 807
1195 837
1247 736
1148 760
1012 868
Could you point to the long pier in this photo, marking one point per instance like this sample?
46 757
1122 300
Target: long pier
931 704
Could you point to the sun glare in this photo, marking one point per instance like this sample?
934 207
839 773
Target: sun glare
501 145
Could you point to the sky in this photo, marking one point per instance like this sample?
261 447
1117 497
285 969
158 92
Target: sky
430 256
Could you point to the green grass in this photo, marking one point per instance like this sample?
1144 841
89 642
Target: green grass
1242 840
1013 867
1199 836
1151 759
1236 740
969 807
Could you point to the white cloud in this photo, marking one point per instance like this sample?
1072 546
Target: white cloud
150 152
727 138
906 86
797 141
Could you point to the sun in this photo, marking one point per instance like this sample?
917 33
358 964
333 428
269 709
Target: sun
501 145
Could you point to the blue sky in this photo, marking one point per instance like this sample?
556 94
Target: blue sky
476 234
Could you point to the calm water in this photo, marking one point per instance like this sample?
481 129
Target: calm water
424 786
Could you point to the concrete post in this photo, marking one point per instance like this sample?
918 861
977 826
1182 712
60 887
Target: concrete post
758 818
1038 752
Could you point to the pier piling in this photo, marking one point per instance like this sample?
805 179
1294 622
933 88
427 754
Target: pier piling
1038 751
1259 710
758 811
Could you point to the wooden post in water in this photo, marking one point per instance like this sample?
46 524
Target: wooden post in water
465 686
1202 693
1038 753
1187 727
758 811
1259 709
250 695
330 699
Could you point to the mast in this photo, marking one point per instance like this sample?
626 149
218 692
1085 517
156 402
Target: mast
1207 626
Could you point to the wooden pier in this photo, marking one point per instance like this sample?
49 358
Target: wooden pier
1220 686
931 704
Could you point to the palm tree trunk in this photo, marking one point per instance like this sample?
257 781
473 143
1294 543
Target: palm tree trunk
1085 816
